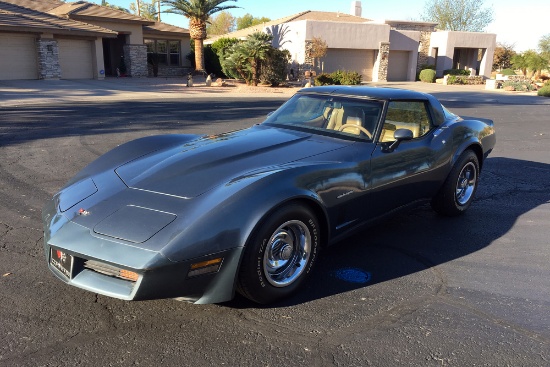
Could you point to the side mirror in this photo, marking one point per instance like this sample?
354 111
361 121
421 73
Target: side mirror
399 135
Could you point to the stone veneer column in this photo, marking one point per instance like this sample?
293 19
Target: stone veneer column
423 49
382 61
135 57
48 59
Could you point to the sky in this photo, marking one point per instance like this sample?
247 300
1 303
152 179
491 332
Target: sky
515 23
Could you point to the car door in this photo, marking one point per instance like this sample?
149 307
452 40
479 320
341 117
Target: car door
402 175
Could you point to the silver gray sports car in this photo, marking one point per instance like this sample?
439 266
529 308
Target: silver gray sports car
197 218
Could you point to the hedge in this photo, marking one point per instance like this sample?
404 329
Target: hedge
456 72
427 76
339 77
544 91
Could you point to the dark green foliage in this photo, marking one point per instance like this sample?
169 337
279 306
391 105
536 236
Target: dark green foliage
223 44
255 59
544 91
456 72
324 79
339 77
507 72
211 61
427 76
274 67
465 80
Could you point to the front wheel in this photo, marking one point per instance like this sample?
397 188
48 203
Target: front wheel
279 255
457 193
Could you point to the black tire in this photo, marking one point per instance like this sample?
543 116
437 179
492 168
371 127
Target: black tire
279 255
458 191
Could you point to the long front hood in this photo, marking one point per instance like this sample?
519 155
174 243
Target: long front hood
198 166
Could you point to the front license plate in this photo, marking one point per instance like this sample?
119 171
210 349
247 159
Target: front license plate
62 261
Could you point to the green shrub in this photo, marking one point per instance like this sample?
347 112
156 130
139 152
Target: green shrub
456 72
339 77
273 68
324 79
519 86
453 79
507 72
465 80
427 76
544 91
348 77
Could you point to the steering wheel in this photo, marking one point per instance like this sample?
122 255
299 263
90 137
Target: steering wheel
363 130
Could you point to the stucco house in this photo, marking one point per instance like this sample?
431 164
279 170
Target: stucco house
51 39
389 50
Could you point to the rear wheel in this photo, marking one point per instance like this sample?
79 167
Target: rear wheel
457 193
279 255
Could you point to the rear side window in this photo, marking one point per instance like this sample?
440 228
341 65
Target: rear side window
412 115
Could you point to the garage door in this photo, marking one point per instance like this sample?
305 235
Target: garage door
361 61
398 66
75 59
19 57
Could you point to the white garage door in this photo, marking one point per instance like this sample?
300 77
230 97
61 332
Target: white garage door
19 57
75 59
361 61
398 66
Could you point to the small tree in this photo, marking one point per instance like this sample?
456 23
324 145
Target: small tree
503 56
221 23
544 46
317 49
248 20
458 15
146 10
530 60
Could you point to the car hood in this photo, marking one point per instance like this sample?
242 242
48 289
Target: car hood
200 165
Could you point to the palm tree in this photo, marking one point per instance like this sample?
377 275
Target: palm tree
198 12
257 46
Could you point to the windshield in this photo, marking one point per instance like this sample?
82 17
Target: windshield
325 113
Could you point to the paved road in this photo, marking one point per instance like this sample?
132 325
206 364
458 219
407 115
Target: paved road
454 292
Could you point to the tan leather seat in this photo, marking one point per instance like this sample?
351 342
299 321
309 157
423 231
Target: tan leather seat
355 117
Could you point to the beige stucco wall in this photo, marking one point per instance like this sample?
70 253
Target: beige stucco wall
134 31
404 40
447 41
360 36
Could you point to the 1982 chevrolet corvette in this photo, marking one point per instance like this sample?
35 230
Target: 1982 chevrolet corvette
197 218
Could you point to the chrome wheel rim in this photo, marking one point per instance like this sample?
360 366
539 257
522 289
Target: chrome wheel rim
466 183
287 253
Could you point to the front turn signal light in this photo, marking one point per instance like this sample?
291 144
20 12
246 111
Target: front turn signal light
205 267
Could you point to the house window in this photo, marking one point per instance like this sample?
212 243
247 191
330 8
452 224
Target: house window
168 52
174 52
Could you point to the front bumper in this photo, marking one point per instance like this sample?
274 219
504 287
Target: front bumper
158 277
